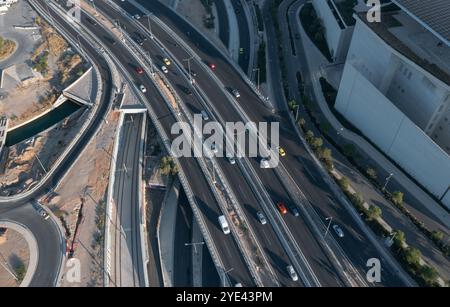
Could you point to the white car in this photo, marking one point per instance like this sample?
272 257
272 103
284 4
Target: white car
232 160
142 88
264 163
164 69
236 93
224 224
43 213
338 231
292 273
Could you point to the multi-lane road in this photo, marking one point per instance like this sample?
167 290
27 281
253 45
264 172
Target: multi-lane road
128 265
299 164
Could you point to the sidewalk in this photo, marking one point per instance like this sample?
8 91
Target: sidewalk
417 201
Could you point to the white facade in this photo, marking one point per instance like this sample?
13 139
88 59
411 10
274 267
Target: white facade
337 34
401 107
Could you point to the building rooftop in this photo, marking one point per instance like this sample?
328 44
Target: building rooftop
414 41
433 14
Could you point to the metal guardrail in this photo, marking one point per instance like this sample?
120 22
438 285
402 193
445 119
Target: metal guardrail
202 224
83 129
229 195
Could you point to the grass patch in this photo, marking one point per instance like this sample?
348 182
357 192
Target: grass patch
7 47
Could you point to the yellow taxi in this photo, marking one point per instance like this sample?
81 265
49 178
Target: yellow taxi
167 61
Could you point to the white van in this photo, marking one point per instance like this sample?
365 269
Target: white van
224 224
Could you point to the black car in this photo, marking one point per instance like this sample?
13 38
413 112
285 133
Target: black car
294 210
139 41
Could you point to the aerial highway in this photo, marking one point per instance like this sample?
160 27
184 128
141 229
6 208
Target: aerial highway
302 169
235 267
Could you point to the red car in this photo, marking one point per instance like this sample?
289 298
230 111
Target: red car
139 70
282 208
212 66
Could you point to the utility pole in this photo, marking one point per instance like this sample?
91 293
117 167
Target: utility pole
388 178
258 71
189 68
149 26
329 219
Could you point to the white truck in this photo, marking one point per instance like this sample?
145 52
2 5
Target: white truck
224 224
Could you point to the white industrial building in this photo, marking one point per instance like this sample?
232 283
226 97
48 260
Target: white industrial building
338 30
395 88
5 4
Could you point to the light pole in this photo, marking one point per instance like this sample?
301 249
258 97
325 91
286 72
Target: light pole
388 178
258 78
149 26
339 133
329 219
40 163
189 68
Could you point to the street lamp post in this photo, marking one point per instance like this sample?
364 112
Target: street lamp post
258 78
329 219
149 26
388 178
189 68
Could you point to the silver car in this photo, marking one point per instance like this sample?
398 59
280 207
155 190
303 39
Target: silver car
292 273
261 217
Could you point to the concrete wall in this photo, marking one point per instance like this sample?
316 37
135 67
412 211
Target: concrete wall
338 38
414 91
394 133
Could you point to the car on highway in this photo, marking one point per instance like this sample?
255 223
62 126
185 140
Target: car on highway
232 160
43 213
205 115
137 16
262 219
211 65
138 41
193 73
241 50
238 284
236 93
167 61
338 231
139 70
281 151
224 224
282 208
294 210
142 88
292 272
214 148
264 163
164 69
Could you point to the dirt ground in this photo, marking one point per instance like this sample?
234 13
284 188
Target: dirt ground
36 95
87 183
14 250
23 168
